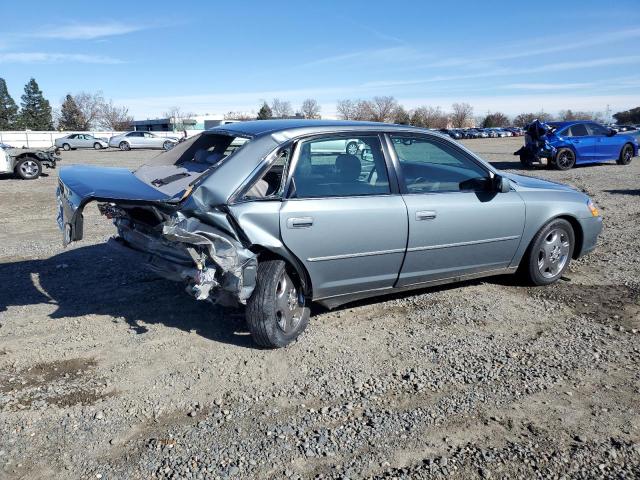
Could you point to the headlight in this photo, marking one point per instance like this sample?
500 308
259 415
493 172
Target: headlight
592 208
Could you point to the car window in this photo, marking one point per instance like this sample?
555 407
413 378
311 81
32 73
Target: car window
435 166
71 137
148 135
333 167
577 130
271 184
596 129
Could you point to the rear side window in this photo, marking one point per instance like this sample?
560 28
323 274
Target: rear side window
430 166
578 130
340 167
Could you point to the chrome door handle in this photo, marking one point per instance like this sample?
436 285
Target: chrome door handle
299 222
426 215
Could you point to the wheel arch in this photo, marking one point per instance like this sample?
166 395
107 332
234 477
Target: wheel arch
293 264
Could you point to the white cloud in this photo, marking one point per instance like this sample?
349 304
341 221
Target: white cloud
87 31
547 86
43 57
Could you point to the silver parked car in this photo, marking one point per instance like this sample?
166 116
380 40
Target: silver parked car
259 213
81 140
130 140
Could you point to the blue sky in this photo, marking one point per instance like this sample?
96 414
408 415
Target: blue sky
212 57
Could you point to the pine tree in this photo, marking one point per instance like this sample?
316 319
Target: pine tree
71 117
8 108
35 111
265 112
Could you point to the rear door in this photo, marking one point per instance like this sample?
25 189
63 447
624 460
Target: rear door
136 139
343 217
457 224
582 141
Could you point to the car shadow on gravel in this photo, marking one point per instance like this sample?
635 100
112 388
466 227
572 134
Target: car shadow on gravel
93 281
625 192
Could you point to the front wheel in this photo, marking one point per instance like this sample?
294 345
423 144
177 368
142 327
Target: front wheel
626 154
565 159
97 146
124 146
276 312
167 145
28 168
66 147
549 253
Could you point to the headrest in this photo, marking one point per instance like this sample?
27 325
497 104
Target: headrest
348 167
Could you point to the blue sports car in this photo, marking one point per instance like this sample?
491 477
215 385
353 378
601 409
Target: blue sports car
565 144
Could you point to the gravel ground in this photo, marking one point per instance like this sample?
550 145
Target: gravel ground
108 372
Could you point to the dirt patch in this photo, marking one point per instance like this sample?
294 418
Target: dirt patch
612 305
62 383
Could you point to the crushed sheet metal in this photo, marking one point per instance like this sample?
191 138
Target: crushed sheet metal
229 255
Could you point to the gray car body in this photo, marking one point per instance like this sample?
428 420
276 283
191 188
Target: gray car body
80 140
356 246
141 139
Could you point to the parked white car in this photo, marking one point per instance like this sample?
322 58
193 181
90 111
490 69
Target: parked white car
81 140
130 140
347 145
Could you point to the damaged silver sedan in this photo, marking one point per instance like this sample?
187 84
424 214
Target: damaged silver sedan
272 215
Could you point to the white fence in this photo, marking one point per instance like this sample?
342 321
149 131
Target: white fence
32 139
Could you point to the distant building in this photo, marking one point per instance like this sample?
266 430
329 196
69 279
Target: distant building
198 122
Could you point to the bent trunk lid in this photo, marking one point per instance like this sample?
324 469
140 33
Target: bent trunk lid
80 184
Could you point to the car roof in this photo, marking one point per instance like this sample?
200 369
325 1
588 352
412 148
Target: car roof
302 126
569 122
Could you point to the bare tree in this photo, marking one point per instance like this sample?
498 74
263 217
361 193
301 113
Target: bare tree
90 106
113 117
242 116
569 114
382 108
310 108
429 117
281 108
461 115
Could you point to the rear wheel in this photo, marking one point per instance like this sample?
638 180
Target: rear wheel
276 312
66 147
124 146
565 159
28 168
626 154
550 253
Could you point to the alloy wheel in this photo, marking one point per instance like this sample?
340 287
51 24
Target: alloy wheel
289 304
29 169
554 253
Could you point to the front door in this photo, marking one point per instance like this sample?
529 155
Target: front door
343 218
458 224
607 145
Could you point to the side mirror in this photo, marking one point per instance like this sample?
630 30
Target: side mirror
611 133
501 184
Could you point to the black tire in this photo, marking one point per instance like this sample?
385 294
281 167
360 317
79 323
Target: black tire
626 154
167 145
124 146
537 266
28 168
66 147
352 148
565 159
97 146
269 307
